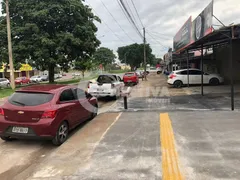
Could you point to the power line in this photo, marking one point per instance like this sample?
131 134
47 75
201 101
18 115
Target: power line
159 33
125 14
116 21
137 13
125 9
131 13
156 40
108 26
157 36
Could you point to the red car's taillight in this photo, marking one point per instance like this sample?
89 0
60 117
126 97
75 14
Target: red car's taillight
172 76
49 114
1 112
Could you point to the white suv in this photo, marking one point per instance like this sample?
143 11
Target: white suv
4 82
180 78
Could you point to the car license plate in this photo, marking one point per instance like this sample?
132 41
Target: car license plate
99 89
21 130
129 81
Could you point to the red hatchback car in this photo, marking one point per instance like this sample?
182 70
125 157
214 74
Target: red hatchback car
130 78
45 111
22 80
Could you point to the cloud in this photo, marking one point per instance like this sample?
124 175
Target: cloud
162 19
159 17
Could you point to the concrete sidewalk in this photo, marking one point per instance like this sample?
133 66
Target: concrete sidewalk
147 145
208 144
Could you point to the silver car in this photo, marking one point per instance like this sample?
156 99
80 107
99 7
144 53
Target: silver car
4 82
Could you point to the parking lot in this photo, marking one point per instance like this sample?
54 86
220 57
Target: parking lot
166 133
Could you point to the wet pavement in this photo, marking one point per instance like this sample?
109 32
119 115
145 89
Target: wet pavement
208 144
130 150
166 133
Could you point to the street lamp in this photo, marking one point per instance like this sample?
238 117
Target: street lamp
10 46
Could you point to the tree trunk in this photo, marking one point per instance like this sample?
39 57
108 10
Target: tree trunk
83 73
51 73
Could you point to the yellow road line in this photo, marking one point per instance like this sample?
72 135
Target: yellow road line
170 162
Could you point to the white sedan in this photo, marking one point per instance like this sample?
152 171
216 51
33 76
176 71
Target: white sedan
36 79
180 78
4 82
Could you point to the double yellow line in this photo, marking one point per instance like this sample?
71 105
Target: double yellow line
170 162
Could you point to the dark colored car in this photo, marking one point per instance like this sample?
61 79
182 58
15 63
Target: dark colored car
45 111
130 78
22 80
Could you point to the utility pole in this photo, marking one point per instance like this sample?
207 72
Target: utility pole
125 58
145 60
10 46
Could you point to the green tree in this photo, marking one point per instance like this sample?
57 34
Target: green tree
83 66
50 33
104 56
133 54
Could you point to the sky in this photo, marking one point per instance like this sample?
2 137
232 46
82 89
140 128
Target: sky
161 19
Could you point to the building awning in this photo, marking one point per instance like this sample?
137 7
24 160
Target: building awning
216 38
24 67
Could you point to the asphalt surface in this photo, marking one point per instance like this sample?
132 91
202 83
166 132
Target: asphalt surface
165 134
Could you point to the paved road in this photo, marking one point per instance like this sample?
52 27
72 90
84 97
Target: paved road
166 134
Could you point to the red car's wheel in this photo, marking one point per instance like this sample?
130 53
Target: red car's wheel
61 134
95 112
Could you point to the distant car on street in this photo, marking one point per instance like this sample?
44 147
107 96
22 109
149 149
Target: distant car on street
106 86
140 74
45 112
76 74
130 78
57 76
154 70
180 77
36 79
22 80
4 82
44 78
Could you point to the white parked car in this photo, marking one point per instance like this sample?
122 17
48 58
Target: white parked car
120 80
44 78
36 79
154 70
4 82
180 77
76 74
57 76
106 86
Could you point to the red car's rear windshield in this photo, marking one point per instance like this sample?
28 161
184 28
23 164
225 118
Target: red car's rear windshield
30 99
129 74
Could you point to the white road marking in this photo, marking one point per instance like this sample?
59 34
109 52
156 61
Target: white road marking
103 135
